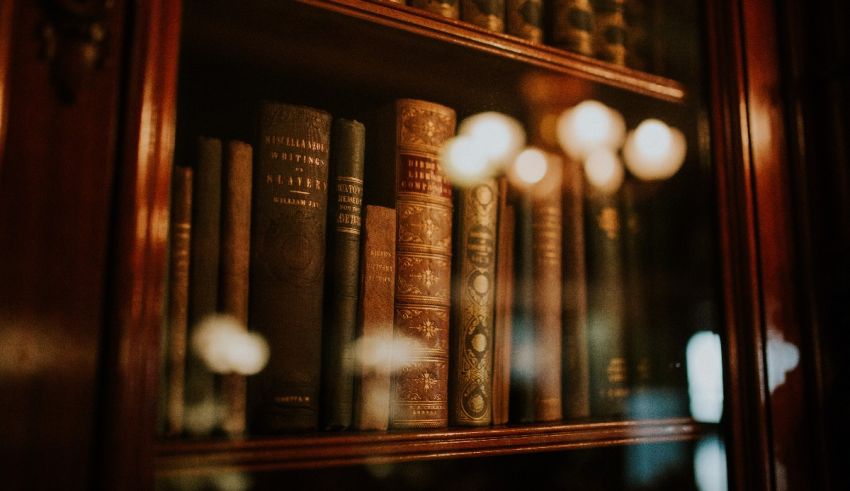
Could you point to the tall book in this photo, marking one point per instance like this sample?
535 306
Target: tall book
235 256
575 368
525 19
521 395
408 177
473 307
445 8
503 303
609 388
489 14
348 144
178 297
609 37
375 319
203 280
546 225
289 211
638 46
572 25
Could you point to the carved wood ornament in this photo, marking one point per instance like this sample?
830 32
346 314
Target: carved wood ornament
74 39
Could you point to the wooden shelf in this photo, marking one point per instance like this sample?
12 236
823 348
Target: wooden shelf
325 450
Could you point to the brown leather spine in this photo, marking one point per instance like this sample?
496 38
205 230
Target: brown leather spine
375 319
473 310
235 258
178 297
546 224
572 25
489 14
503 311
290 194
419 390
444 8
610 31
525 19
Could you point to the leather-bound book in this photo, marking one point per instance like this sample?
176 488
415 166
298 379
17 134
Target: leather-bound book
348 144
546 225
572 25
575 368
609 388
178 297
525 19
609 37
503 303
489 14
204 269
445 8
375 319
638 46
408 172
287 264
521 395
235 255
473 306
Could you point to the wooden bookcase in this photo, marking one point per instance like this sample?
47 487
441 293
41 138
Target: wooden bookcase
163 61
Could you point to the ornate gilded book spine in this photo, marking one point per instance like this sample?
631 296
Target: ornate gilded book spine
423 201
348 143
546 225
203 280
235 257
474 294
503 302
609 37
575 370
525 19
609 389
287 264
489 14
445 8
375 319
178 296
572 25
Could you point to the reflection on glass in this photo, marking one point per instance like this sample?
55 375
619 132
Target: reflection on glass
528 168
654 150
226 346
464 161
603 170
705 377
710 464
782 358
499 136
589 126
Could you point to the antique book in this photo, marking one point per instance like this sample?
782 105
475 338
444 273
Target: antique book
572 25
289 209
489 14
178 297
546 228
474 284
525 19
348 144
445 8
503 302
407 175
203 279
609 388
375 319
637 42
235 255
576 376
610 31
521 396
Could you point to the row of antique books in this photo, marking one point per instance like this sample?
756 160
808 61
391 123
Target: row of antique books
387 297
617 31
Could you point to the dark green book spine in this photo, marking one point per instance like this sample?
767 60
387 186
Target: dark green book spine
521 406
347 157
609 389
289 212
203 279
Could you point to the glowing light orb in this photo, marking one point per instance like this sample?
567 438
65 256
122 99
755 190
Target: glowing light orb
654 151
589 126
499 136
604 171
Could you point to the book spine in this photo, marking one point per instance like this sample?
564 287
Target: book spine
474 292
609 33
525 19
235 258
343 276
572 26
203 280
419 389
521 407
606 330
445 8
489 14
638 51
547 224
287 264
575 370
178 296
503 301
375 319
